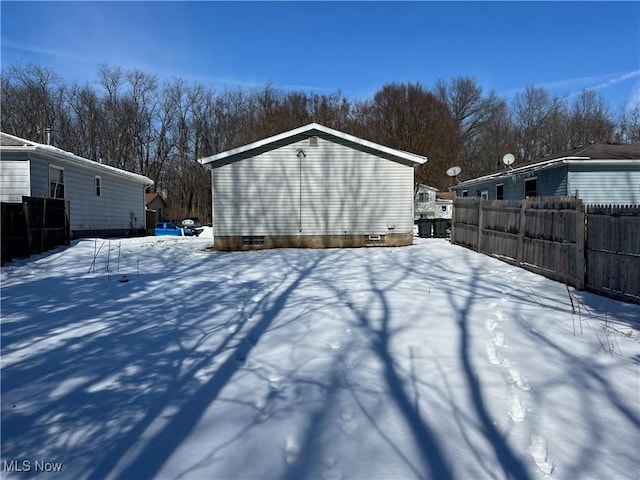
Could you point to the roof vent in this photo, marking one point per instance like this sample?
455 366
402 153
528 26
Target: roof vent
313 141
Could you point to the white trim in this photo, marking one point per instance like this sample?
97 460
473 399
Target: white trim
312 128
61 169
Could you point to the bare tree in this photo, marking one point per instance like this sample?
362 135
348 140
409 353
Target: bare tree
534 111
590 119
629 123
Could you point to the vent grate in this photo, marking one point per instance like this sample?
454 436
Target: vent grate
253 240
374 239
313 141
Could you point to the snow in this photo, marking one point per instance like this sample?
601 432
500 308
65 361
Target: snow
428 361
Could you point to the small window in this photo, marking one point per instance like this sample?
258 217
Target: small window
500 191
465 193
56 182
484 194
98 186
531 187
423 197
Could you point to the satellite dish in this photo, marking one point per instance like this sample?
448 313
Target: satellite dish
454 171
508 159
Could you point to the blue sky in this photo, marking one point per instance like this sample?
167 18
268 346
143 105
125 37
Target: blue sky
354 47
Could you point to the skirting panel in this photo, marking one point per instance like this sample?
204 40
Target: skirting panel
231 243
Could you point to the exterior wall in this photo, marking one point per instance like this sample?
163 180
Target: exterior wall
594 184
616 185
425 209
551 182
14 180
335 190
159 206
120 208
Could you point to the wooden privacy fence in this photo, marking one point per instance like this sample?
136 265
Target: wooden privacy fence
34 226
613 251
597 248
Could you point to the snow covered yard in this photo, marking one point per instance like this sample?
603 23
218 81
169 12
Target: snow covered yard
429 361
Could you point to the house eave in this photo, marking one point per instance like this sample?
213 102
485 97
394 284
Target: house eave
53 153
313 129
579 161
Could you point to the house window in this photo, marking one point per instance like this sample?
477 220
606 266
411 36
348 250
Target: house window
423 197
500 191
531 187
56 182
98 186
484 194
465 193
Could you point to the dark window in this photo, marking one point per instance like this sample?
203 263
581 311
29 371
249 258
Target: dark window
56 182
465 193
531 187
500 191
98 186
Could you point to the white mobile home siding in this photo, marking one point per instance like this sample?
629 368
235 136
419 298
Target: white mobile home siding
334 190
120 207
14 180
615 186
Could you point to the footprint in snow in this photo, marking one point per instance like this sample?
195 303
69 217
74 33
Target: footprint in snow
348 423
538 450
516 412
292 450
490 324
492 354
518 380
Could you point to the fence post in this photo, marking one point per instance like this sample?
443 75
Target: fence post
523 212
480 222
581 238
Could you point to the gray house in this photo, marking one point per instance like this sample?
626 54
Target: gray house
599 173
312 187
103 200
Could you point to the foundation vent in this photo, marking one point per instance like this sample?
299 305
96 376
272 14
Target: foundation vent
374 239
253 240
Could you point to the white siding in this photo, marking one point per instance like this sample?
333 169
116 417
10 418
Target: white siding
14 180
619 186
334 190
120 207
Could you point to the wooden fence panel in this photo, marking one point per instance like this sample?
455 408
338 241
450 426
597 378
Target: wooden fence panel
613 251
597 247
42 225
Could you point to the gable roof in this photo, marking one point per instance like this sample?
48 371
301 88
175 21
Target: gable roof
597 153
304 132
11 143
150 197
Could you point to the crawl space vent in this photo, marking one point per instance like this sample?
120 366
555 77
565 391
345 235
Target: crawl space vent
253 240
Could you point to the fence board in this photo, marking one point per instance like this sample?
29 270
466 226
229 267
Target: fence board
595 247
35 226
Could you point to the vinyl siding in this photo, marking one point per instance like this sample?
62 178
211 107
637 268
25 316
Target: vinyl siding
120 207
617 185
551 182
14 180
334 190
